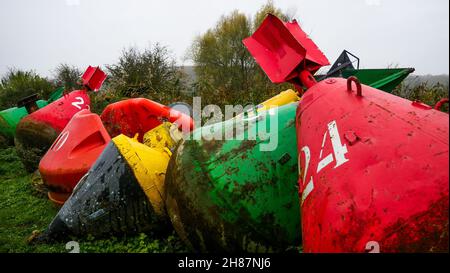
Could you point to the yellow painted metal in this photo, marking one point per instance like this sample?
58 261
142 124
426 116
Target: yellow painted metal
283 98
165 136
149 161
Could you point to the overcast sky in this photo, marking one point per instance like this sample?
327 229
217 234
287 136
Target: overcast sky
40 34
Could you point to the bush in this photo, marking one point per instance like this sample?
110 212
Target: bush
151 73
424 93
68 76
17 84
102 98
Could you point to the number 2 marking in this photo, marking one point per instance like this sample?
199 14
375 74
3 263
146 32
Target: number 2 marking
310 186
78 103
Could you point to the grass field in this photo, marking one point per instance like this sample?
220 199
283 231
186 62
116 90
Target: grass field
23 210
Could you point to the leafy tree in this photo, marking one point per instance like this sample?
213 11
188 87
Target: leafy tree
225 70
269 7
17 84
151 73
68 75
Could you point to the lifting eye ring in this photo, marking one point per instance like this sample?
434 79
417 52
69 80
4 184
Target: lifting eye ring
357 83
440 103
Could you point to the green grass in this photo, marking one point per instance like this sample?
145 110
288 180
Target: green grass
22 211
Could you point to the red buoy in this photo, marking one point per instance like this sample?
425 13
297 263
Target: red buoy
140 115
373 167
37 131
72 154
374 171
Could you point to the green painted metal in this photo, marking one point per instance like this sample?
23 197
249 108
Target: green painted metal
9 118
383 79
58 93
230 195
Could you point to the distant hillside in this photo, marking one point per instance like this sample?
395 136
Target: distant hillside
190 73
430 80
411 81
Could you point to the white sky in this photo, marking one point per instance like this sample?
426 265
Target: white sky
40 34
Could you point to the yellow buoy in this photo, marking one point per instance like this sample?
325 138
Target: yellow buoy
149 160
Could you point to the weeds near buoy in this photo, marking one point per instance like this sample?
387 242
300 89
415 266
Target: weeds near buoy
24 215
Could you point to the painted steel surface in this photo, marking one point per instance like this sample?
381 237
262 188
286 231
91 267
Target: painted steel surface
374 171
93 78
107 201
140 115
36 132
282 48
383 79
123 192
283 98
231 195
9 118
72 154
149 162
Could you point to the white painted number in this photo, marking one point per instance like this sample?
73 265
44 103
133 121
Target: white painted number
73 246
79 103
61 141
307 159
338 149
373 247
310 186
339 152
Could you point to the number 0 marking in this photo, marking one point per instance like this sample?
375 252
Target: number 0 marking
61 141
78 103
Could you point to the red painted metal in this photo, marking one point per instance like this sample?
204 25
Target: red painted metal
374 171
373 167
93 78
140 115
283 50
72 154
357 83
440 103
58 113
36 132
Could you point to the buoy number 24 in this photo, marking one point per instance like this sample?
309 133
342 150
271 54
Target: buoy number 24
337 156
